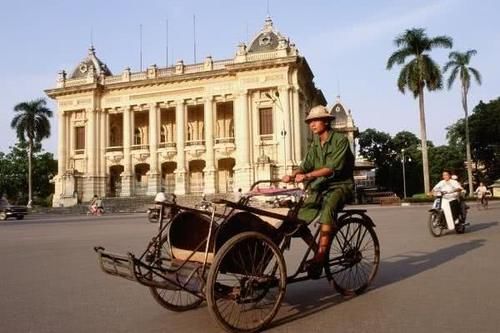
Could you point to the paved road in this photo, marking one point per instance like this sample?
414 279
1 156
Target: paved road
50 280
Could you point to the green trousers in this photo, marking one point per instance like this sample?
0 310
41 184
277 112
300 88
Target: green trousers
326 203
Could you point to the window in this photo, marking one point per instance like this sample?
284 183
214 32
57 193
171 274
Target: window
224 122
79 138
167 131
137 137
266 121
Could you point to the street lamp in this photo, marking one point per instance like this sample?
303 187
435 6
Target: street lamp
276 98
403 160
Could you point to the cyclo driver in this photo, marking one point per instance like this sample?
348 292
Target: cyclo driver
328 166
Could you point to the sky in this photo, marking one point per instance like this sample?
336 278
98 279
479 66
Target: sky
346 43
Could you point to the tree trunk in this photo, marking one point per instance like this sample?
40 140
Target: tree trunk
423 139
467 143
30 155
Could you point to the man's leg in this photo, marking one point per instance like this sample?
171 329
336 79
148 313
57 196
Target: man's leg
333 201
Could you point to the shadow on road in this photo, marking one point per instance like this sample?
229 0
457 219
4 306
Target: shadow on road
480 226
403 266
321 296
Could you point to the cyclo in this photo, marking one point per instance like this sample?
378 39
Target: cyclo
234 259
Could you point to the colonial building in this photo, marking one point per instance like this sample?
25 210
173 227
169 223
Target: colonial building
209 127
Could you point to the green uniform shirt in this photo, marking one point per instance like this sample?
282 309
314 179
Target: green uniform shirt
328 194
335 154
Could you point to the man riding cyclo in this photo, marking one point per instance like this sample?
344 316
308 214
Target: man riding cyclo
328 167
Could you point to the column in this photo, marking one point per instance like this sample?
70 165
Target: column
242 172
90 148
59 182
61 147
209 173
89 188
126 176
297 125
103 123
180 124
286 140
154 175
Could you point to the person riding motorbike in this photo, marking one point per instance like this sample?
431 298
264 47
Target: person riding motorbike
96 206
328 166
451 189
482 193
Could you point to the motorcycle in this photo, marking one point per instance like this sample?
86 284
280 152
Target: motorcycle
442 217
95 211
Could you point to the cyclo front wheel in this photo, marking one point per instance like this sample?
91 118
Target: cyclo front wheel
171 296
246 283
354 256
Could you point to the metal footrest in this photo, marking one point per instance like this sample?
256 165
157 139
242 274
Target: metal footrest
116 264
173 275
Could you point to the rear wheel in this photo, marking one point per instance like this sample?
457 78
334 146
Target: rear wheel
354 256
246 283
19 217
171 296
460 228
3 216
436 223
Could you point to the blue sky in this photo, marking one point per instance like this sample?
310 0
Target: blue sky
346 43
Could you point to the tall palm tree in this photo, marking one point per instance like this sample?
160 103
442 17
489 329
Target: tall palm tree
421 71
459 65
31 123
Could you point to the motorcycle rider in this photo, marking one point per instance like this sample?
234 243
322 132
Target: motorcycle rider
452 189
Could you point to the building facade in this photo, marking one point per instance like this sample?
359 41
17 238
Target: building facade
210 127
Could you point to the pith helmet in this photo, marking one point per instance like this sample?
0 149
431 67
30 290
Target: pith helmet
319 112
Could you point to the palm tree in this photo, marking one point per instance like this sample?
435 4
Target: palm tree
32 125
459 65
421 71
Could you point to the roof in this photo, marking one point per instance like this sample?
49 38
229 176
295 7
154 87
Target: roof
89 64
268 39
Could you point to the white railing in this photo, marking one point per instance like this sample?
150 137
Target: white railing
112 79
138 76
163 72
194 68
75 82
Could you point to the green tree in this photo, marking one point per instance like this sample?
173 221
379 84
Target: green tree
32 125
421 71
14 174
446 157
459 66
484 130
377 147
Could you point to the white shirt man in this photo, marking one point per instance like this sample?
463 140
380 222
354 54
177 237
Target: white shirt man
448 185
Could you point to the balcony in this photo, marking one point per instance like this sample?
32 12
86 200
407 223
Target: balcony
224 140
114 149
167 145
195 148
139 147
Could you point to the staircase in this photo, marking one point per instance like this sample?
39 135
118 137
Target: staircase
129 204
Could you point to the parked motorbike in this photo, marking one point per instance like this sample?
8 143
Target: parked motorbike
442 217
95 211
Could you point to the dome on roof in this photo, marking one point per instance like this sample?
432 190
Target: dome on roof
89 64
268 39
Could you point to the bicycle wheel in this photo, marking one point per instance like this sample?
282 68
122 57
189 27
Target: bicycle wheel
171 297
246 283
354 257
436 224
